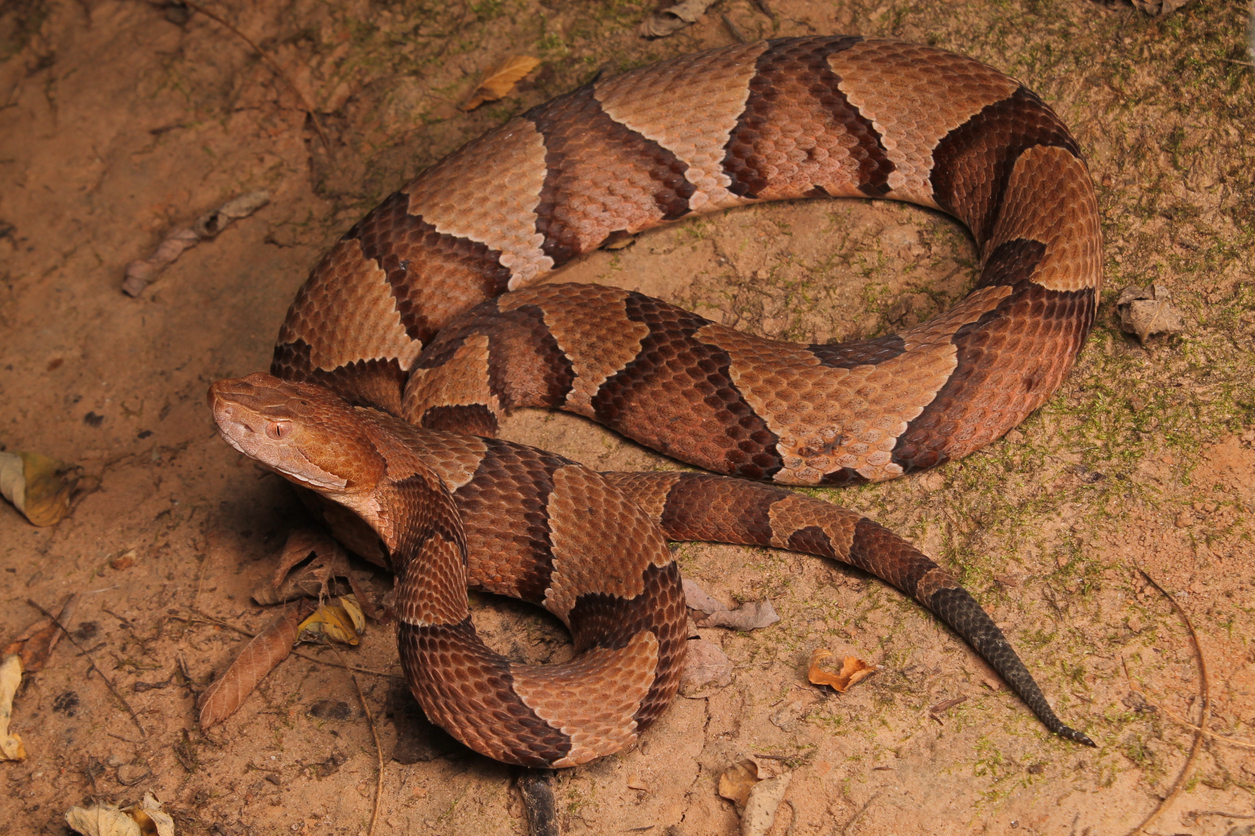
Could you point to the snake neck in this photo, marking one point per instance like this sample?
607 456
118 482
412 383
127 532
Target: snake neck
420 526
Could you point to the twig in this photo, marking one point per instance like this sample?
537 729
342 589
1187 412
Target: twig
1200 729
1181 721
370 721
275 68
87 655
734 30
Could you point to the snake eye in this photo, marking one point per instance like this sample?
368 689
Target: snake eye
278 430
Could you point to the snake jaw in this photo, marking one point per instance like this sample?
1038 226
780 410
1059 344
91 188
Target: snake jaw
271 442
297 430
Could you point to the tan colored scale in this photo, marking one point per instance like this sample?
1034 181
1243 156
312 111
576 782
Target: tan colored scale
576 494
348 278
1065 219
798 512
689 106
487 192
595 700
578 328
913 110
829 418
471 387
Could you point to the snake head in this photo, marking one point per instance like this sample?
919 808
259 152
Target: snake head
302 431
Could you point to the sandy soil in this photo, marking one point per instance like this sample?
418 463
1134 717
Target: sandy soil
120 121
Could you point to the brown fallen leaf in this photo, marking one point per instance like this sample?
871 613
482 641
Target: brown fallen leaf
140 274
38 486
737 781
760 809
11 748
500 80
853 671
317 578
258 658
1148 312
36 642
698 599
101 820
942 707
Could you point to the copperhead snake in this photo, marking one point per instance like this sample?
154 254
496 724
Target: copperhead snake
417 331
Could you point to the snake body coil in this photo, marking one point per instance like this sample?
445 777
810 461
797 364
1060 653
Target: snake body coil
409 314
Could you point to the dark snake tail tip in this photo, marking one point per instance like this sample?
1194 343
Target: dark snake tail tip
959 610
1072 734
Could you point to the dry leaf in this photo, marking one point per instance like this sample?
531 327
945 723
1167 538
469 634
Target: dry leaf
36 642
942 707
37 486
140 274
737 781
706 670
500 81
150 817
697 598
674 19
11 748
749 616
258 658
143 819
211 223
760 810
853 671
338 622
1148 312
102 820
314 580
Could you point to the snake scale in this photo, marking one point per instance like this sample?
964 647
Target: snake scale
418 330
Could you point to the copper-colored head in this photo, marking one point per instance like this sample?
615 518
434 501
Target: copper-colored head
300 430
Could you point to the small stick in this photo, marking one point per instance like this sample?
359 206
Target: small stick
1181 721
309 108
370 721
1200 729
736 33
108 682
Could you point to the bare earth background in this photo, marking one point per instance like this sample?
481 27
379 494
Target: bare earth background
120 121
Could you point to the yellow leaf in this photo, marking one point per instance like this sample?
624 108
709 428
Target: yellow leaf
38 486
10 677
500 81
332 621
354 609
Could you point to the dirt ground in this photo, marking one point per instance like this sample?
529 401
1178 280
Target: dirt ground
122 120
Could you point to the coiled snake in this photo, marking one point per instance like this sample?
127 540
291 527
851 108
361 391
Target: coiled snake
404 347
